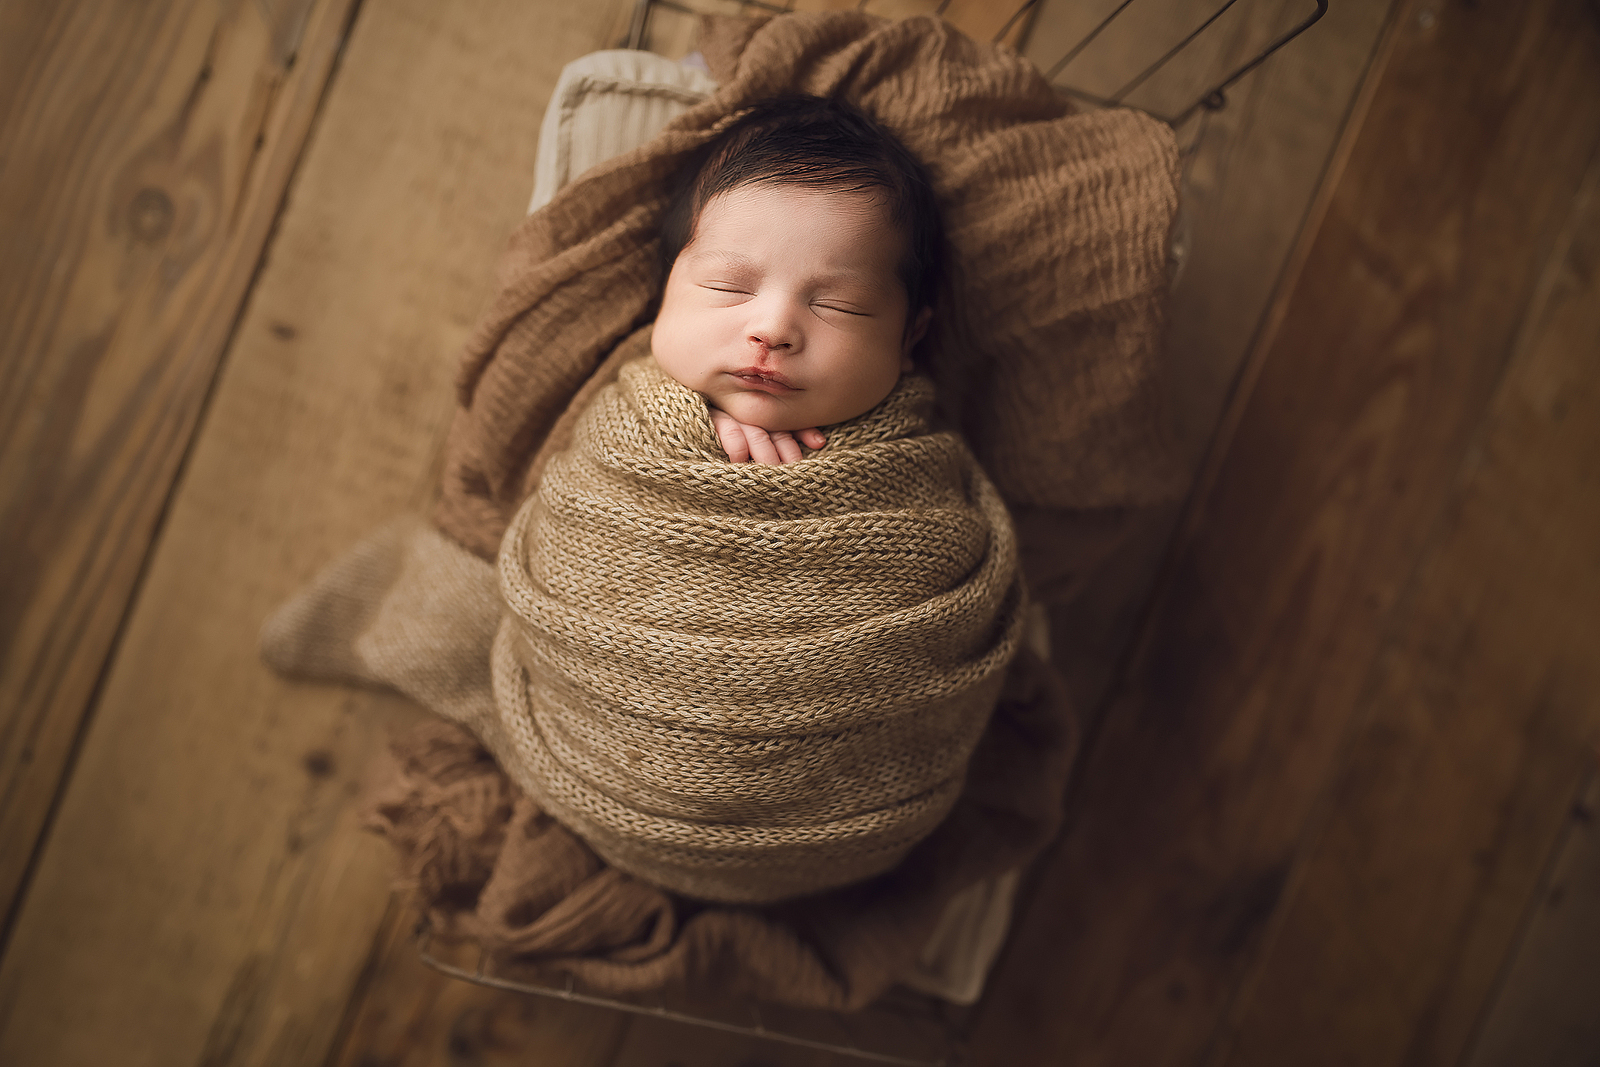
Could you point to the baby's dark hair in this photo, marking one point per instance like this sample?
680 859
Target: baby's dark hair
824 143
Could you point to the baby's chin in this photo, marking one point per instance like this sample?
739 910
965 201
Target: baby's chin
771 413
775 413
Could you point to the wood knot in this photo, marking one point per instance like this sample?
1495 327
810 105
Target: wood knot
150 215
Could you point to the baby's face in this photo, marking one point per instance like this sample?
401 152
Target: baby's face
786 309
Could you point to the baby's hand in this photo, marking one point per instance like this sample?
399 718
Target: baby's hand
743 443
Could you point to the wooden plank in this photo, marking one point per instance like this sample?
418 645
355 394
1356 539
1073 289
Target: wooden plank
1481 719
659 1043
205 895
409 1015
1137 37
1187 819
1254 166
900 1027
1248 185
1248 192
1544 1012
673 32
986 20
146 150
981 20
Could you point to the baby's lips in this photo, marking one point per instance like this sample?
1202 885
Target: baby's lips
764 384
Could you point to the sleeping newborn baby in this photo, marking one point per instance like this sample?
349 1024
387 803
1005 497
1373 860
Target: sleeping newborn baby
803 259
747 681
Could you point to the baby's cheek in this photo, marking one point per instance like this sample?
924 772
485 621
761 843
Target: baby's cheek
671 354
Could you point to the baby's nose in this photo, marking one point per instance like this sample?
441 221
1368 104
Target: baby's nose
773 326
770 341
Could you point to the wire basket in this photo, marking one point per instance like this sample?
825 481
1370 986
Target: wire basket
646 32
903 1028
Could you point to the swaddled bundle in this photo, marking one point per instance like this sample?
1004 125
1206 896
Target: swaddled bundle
1059 221
747 682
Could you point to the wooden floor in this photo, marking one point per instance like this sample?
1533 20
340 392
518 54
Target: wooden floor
1338 802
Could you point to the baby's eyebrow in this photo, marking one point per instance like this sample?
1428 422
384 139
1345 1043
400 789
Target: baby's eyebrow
724 257
738 261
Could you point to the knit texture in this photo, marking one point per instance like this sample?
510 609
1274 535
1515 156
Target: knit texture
490 866
747 682
1045 340
412 609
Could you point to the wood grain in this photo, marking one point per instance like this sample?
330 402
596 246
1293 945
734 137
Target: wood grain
1482 711
1361 704
654 1043
409 1015
674 33
902 1025
144 152
1138 36
1252 171
205 895
1544 1011
1188 820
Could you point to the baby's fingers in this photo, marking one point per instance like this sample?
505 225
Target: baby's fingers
812 438
763 449
743 442
788 448
730 433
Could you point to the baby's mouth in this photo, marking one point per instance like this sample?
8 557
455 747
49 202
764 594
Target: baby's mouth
765 380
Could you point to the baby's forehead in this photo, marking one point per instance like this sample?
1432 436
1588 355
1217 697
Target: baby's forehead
846 203
734 222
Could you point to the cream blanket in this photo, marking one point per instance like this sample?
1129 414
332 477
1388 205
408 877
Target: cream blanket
741 682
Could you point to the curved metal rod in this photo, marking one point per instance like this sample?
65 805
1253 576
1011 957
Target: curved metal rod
1072 53
1215 98
638 26
1212 99
661 1011
1012 21
1122 94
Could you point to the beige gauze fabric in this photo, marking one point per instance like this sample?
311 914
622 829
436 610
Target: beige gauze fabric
746 683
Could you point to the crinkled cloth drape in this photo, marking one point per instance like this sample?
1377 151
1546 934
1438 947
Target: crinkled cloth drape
743 682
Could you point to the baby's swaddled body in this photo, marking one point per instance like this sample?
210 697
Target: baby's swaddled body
747 682
752 681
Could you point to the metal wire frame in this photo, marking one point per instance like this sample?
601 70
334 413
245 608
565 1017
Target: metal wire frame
639 24
1213 99
480 974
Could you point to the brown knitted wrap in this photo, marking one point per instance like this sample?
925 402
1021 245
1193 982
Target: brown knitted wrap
744 682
